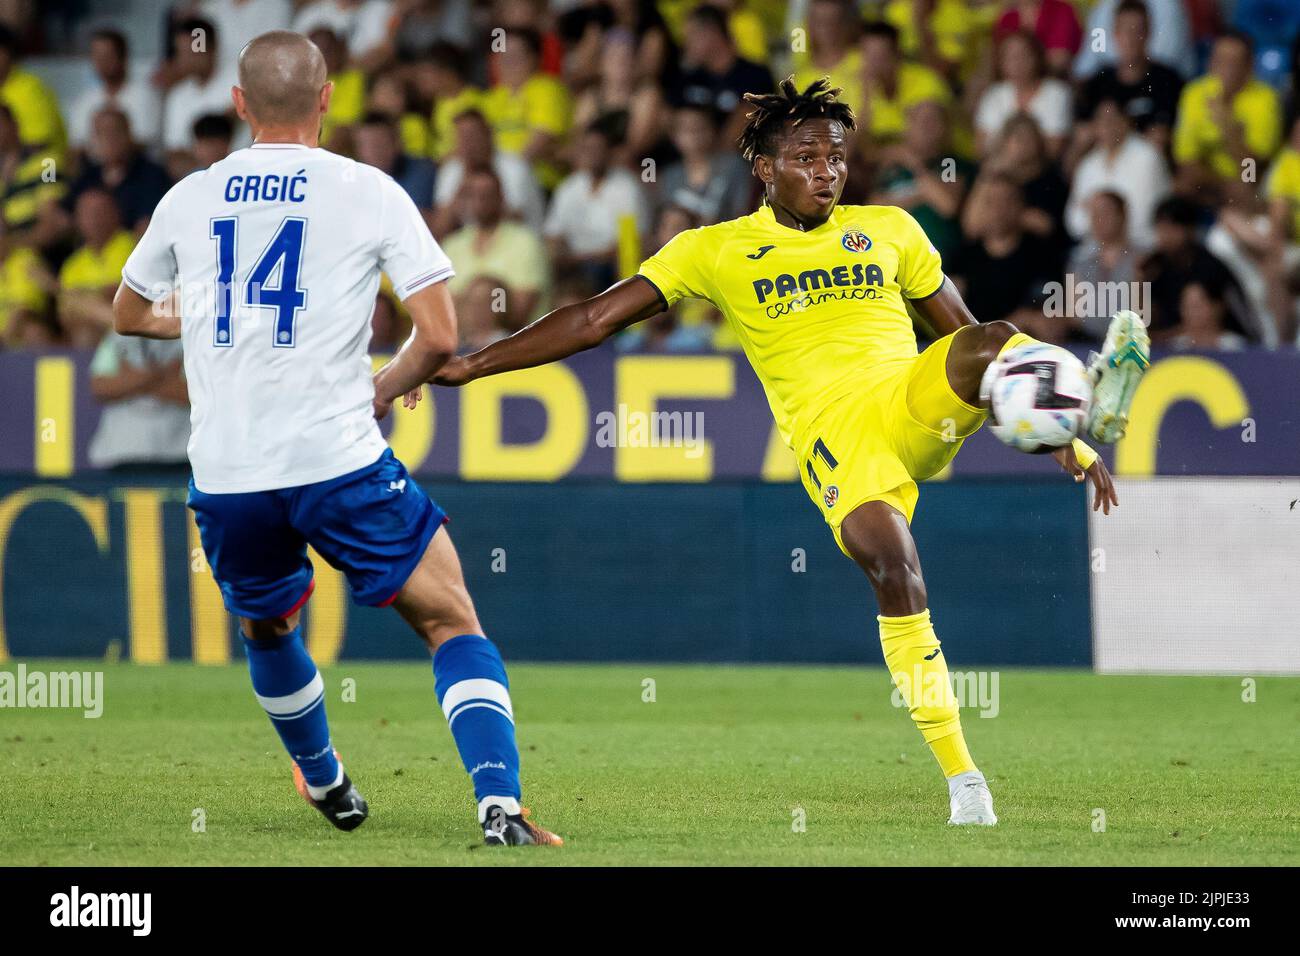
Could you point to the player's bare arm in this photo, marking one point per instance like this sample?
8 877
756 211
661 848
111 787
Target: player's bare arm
431 343
133 314
556 335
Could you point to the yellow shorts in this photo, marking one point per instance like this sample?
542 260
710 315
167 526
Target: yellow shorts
906 425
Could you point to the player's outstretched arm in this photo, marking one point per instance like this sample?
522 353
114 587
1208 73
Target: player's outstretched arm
133 314
570 329
431 343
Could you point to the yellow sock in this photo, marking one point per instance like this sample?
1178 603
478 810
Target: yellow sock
952 754
916 664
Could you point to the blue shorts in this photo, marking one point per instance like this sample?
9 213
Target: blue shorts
373 524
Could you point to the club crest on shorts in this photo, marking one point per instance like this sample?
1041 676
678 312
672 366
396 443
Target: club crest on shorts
831 495
856 241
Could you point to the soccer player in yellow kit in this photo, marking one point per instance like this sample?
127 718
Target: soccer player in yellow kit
817 294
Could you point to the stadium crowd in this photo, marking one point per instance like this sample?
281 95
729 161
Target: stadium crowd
1051 149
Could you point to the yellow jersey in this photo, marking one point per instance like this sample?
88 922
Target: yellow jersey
347 104
820 313
846 74
34 183
961 31
35 109
1198 138
887 118
1283 183
442 139
20 287
90 270
541 104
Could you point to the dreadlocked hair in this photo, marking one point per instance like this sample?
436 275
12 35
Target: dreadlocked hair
771 111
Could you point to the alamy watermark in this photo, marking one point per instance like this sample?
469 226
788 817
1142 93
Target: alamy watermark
73 690
1084 299
624 428
133 911
977 690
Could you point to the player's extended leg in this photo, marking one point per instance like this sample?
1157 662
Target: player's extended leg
260 563
973 349
473 691
290 690
1115 371
878 538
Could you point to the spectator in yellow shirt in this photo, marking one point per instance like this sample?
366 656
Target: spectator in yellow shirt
1282 189
390 96
24 301
529 111
948 36
1283 267
888 85
830 46
90 276
34 106
1228 123
447 73
28 178
348 101
744 25
746 28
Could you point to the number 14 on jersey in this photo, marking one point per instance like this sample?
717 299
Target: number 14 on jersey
272 283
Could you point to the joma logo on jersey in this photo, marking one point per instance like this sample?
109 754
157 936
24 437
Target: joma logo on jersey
811 279
856 241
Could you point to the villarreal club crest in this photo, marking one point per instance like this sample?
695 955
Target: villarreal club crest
855 240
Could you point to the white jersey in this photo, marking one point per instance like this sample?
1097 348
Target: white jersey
277 251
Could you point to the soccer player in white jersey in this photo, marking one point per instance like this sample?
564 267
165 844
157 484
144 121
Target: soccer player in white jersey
266 265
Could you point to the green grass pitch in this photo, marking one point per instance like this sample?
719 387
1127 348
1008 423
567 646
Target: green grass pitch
713 771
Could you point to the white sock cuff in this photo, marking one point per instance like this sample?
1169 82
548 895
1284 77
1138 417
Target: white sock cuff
318 793
509 804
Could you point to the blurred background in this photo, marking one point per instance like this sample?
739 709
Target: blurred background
1067 158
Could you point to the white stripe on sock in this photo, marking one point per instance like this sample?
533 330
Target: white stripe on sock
479 703
475 689
299 700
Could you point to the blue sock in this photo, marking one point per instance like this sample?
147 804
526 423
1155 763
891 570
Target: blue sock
470 680
291 691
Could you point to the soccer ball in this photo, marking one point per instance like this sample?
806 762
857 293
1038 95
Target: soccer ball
1037 396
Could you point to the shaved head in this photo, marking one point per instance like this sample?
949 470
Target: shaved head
282 74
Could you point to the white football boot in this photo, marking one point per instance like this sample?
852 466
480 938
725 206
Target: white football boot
970 801
1115 374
